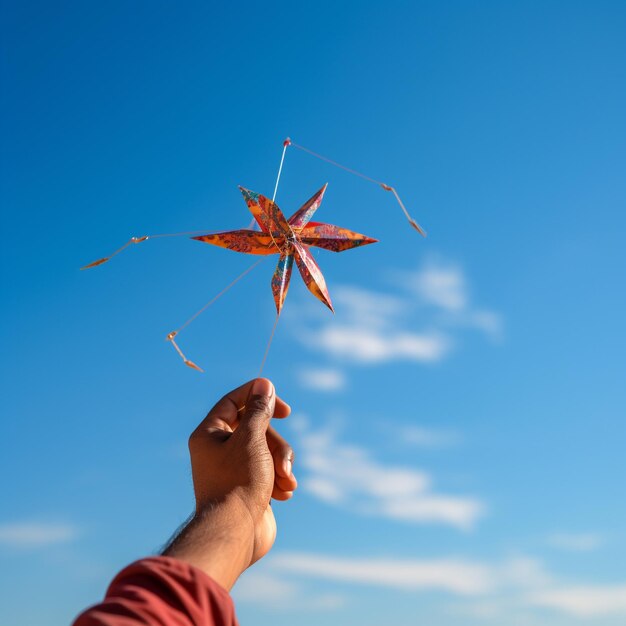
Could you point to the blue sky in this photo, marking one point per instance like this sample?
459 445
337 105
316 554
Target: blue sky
459 423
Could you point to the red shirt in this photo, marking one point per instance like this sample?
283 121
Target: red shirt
161 591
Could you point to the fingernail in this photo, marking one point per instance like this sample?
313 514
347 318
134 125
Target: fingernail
262 387
288 467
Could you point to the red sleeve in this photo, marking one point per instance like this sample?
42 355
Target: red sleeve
162 591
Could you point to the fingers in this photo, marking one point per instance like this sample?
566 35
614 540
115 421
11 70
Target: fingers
279 494
247 411
259 407
228 411
283 455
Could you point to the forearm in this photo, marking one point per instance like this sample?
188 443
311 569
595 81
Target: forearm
238 465
219 540
189 584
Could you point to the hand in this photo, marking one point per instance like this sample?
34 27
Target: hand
235 453
238 463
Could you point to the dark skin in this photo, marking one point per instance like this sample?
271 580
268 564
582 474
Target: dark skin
239 463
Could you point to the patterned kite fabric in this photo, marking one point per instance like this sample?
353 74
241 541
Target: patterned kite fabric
290 238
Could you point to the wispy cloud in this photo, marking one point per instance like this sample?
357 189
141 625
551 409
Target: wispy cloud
368 345
370 487
35 534
276 592
368 308
322 379
453 575
416 318
443 287
576 542
493 589
584 601
422 437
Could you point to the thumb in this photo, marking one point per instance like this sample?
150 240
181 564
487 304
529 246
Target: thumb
259 407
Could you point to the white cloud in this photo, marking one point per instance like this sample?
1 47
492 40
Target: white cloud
277 593
321 379
523 572
452 575
443 286
497 590
428 437
487 321
417 323
325 489
34 534
368 308
460 512
576 542
368 345
584 601
347 476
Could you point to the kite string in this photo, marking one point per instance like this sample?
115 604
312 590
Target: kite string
173 334
280 171
343 167
269 343
286 143
135 240
386 187
189 232
170 337
218 296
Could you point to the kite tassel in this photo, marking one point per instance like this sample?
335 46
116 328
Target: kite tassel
186 361
413 223
107 258
133 240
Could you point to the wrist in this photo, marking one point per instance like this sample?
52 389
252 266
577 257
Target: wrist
219 540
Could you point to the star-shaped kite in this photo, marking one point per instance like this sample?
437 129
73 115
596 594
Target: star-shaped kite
291 239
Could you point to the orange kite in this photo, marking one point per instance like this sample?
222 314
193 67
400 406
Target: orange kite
291 239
